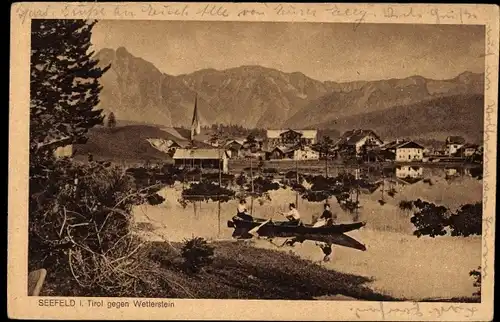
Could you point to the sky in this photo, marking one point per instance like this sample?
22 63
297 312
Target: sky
323 51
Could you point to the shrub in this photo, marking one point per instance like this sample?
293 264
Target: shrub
467 220
429 219
80 225
406 205
205 191
197 254
476 275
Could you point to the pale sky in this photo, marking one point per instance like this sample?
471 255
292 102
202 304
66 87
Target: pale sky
323 51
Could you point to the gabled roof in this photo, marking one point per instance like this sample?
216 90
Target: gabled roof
470 146
455 140
354 136
402 144
198 153
275 134
284 149
231 142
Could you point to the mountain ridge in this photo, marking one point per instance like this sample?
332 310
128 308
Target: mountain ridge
256 96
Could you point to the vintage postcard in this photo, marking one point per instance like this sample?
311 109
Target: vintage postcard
252 161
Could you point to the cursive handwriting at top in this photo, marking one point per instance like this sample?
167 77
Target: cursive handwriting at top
166 10
293 10
453 14
401 13
122 11
250 12
213 10
24 13
88 11
360 14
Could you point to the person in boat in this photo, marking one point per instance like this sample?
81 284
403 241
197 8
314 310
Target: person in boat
242 211
293 215
327 218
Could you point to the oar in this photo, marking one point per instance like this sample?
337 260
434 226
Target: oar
255 229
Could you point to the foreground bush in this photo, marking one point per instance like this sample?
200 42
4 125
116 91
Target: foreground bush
80 225
197 253
432 220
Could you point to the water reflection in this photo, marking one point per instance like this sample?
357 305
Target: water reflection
409 174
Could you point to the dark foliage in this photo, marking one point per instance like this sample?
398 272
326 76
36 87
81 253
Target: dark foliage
467 220
197 253
430 219
64 84
476 274
205 191
262 185
406 205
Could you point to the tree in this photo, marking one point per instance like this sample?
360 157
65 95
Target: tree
324 147
111 120
64 84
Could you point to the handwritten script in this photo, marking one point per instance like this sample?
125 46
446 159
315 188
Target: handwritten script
413 310
353 14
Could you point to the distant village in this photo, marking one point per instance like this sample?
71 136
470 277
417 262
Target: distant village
300 145
215 149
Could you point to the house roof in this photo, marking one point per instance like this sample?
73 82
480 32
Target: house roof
455 140
308 134
198 153
402 144
354 136
233 142
470 146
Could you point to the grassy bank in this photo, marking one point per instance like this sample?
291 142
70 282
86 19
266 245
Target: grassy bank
239 271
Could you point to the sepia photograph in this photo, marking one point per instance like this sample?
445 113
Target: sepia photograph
255 160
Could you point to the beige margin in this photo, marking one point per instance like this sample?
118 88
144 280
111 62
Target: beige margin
22 306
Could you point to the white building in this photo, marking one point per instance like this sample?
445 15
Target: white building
305 153
290 137
409 151
404 151
453 143
357 139
202 158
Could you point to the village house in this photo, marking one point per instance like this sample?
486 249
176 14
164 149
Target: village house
405 151
467 150
167 146
292 153
356 140
234 149
201 158
290 137
452 144
280 153
305 153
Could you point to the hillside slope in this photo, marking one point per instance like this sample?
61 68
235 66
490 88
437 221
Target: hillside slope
126 143
435 118
382 95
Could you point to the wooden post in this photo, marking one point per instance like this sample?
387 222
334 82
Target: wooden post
218 219
220 185
297 179
251 180
326 163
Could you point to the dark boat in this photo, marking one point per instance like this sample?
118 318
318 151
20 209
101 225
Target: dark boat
333 234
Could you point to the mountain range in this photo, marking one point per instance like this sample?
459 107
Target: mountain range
258 97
